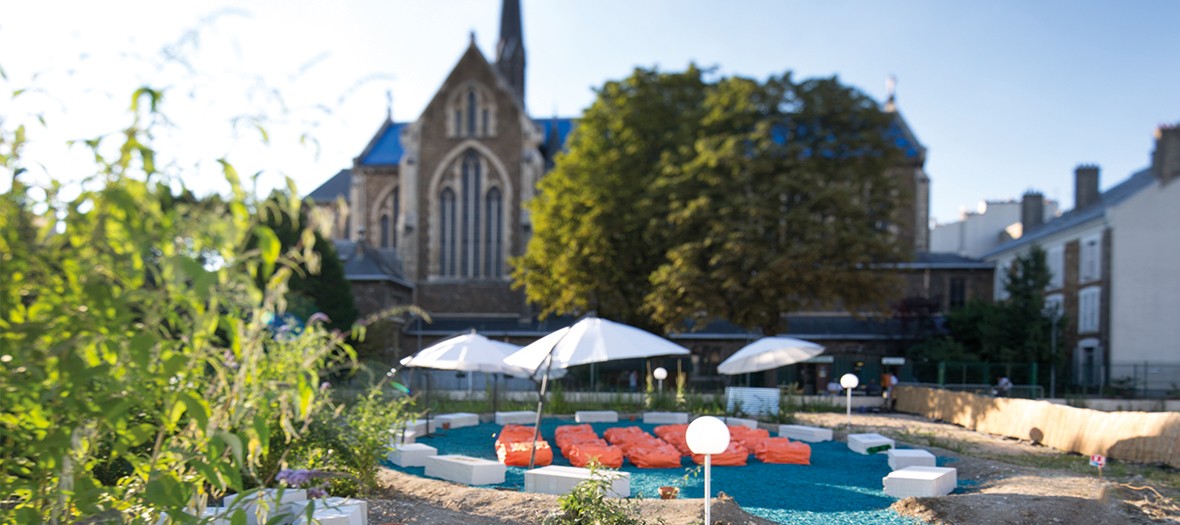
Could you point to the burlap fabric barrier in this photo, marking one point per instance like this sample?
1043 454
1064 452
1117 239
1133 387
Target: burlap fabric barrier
1140 437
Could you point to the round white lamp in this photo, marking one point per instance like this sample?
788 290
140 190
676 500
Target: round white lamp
849 381
660 374
707 435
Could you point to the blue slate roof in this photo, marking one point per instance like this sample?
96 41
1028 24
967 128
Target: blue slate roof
333 188
942 260
386 147
366 263
1136 182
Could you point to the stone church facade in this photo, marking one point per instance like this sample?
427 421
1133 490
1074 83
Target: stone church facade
432 210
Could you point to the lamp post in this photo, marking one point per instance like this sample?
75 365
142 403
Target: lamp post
660 374
1053 310
849 381
707 435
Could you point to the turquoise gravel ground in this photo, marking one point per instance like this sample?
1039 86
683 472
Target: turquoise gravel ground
840 486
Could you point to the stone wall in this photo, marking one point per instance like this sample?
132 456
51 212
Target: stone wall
1139 437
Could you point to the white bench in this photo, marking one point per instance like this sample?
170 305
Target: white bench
456 420
411 454
333 511
560 480
278 502
466 469
665 418
920 482
523 417
596 416
805 433
910 457
870 443
403 436
737 421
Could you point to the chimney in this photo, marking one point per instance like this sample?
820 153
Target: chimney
1085 186
1165 162
1032 210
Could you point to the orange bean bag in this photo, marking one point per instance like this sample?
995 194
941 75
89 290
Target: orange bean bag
675 436
734 456
619 435
567 434
748 437
514 433
516 454
580 454
783 450
654 454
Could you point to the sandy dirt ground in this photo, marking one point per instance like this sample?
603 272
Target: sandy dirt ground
1000 492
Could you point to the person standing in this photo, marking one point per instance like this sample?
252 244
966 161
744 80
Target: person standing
633 381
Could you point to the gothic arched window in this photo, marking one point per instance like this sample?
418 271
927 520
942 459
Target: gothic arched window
384 231
494 235
471 112
446 223
471 192
395 202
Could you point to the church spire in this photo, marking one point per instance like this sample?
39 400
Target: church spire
510 48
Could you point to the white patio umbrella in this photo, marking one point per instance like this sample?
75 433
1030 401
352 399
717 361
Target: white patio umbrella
469 352
769 353
590 340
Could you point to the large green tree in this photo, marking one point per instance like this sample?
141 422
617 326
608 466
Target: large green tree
316 285
1015 329
786 204
599 228
687 199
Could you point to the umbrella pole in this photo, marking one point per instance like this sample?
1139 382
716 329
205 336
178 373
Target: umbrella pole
540 405
495 392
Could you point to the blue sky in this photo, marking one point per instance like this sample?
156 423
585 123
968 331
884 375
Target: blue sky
1006 95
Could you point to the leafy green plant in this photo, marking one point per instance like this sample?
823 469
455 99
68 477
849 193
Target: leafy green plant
143 369
588 504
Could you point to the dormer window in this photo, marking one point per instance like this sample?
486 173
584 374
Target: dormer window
472 113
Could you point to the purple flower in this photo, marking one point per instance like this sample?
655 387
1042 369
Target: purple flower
298 477
318 492
318 317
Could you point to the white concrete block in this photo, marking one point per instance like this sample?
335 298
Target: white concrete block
523 417
805 433
332 501
411 454
417 426
596 416
910 457
920 482
278 502
665 418
333 511
560 480
457 420
465 469
870 443
737 421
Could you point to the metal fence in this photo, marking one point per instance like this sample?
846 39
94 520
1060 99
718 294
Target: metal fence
1144 380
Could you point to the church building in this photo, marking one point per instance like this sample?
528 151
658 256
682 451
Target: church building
435 206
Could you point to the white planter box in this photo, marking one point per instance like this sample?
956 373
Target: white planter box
805 433
456 420
902 458
596 416
740 422
869 443
411 454
560 480
920 482
516 418
278 502
465 469
333 511
665 418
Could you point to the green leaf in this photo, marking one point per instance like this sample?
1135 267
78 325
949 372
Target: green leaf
268 247
197 408
235 444
175 413
306 395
